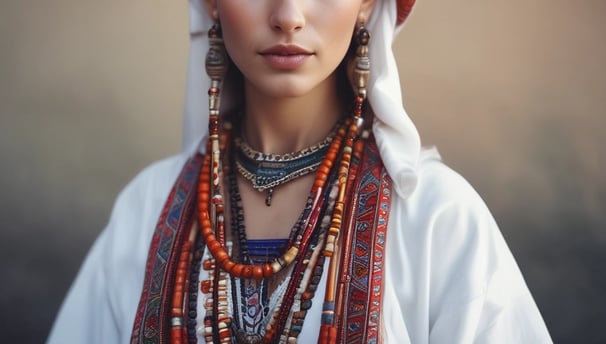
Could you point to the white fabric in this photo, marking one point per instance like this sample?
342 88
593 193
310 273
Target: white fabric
449 276
396 135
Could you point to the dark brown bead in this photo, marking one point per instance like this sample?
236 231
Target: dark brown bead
363 36
305 305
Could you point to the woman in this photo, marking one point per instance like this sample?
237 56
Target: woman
388 246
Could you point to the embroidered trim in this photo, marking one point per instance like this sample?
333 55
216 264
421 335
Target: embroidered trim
151 321
364 259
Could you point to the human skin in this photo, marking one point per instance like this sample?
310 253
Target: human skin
289 102
294 95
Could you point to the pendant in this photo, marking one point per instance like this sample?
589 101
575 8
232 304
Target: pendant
248 338
270 193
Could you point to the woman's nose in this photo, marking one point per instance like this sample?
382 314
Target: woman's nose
287 16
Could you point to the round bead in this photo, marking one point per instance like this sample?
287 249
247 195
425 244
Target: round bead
267 270
247 272
363 36
323 169
205 287
206 226
208 264
257 272
237 270
212 244
221 257
228 266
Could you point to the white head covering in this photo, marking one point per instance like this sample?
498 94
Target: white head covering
396 135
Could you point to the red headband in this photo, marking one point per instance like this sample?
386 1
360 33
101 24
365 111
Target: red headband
404 8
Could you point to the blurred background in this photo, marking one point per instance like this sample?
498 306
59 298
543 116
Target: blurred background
513 93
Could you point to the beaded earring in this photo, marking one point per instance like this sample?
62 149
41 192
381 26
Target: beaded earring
216 65
361 62
360 77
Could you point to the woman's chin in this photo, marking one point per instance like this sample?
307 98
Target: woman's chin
284 87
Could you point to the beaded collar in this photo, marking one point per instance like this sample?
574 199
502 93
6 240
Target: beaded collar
267 171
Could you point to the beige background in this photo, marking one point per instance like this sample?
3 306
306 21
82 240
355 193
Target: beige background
511 92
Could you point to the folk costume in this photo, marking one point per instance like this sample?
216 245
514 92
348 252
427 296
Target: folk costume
392 246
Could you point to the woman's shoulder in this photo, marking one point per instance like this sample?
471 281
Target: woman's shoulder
139 204
439 186
445 213
151 185
156 178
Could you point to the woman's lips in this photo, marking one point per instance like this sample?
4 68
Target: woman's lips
285 56
285 61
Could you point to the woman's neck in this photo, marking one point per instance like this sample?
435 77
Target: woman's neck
275 125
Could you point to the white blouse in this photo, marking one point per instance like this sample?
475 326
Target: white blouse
449 275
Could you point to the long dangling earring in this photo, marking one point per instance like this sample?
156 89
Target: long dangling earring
359 80
361 70
216 65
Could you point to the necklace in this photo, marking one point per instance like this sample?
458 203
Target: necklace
212 222
267 171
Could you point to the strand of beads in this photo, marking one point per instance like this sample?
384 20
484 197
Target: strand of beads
177 330
324 172
223 318
206 287
216 64
217 321
333 298
311 280
192 303
218 251
282 318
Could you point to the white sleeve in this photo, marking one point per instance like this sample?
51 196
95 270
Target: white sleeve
101 304
450 277
86 315
479 293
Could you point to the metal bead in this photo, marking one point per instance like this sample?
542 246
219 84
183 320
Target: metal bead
362 62
216 59
176 322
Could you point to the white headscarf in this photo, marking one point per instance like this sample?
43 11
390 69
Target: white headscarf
396 135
